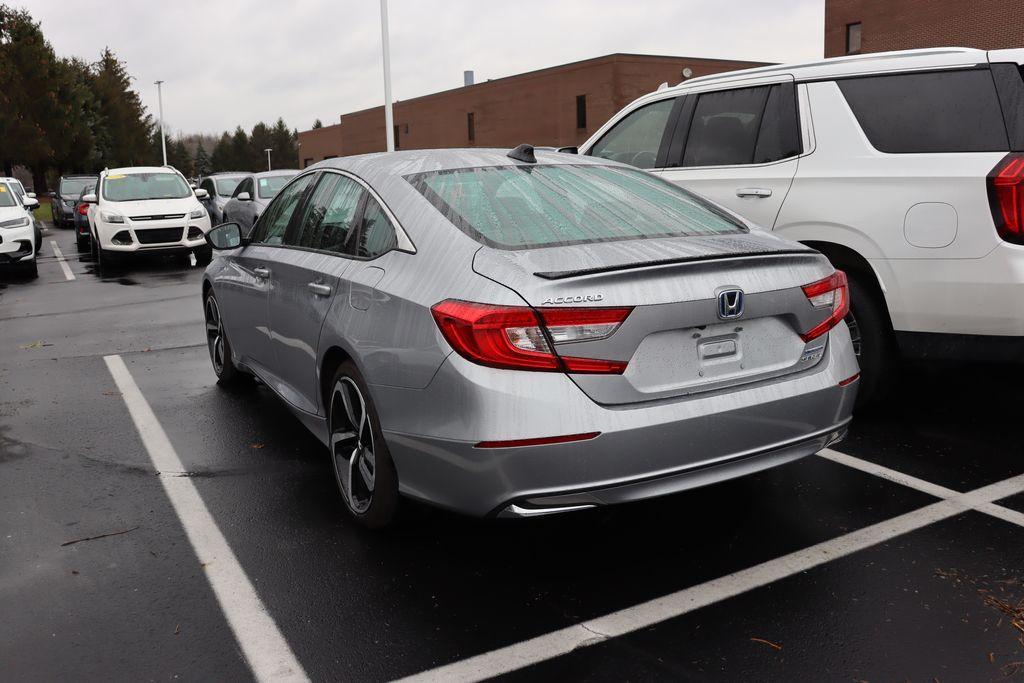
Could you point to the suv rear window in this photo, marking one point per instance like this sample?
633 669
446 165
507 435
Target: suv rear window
520 207
939 111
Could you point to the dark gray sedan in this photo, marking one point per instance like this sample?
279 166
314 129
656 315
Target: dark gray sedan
518 334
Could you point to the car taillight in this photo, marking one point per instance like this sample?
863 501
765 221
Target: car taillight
83 209
1006 197
832 292
513 337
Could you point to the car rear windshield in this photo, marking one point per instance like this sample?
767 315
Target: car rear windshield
71 187
270 186
519 207
6 196
226 186
131 187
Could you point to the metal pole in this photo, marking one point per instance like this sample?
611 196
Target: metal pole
160 99
389 116
268 150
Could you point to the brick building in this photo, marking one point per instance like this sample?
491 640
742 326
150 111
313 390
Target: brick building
560 105
854 26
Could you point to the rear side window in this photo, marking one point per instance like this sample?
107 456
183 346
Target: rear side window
1009 80
521 207
635 139
377 235
914 113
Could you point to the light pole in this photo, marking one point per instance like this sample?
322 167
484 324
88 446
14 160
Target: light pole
160 100
268 150
389 117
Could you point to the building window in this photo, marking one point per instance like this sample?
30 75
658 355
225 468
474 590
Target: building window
470 127
581 111
853 39
306 162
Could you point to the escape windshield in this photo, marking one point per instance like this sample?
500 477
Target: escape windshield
138 186
516 207
6 196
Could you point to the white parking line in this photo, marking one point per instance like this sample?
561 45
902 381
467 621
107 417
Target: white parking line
68 275
630 619
264 647
981 499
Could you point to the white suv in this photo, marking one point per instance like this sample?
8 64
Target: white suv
146 209
19 237
904 168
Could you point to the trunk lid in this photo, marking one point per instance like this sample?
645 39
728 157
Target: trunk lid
675 341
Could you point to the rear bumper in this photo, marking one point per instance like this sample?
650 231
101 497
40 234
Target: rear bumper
642 451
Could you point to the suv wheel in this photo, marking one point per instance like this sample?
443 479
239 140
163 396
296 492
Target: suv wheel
873 342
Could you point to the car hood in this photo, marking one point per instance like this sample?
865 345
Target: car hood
10 212
153 207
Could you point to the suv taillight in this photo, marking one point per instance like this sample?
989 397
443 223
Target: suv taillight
832 292
513 337
1006 197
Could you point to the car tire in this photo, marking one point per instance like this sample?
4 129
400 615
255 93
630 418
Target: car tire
228 374
203 256
873 342
363 469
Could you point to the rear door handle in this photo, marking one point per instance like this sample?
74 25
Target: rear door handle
753 192
319 289
261 272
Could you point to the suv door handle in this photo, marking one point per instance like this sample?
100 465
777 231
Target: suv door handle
261 272
753 192
319 289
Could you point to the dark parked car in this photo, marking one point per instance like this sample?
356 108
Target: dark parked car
65 199
220 187
81 218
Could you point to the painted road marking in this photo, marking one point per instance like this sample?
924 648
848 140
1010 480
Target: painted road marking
68 275
631 619
264 647
979 499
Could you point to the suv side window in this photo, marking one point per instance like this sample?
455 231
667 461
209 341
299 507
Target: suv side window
938 111
376 234
328 222
636 138
207 185
725 126
271 226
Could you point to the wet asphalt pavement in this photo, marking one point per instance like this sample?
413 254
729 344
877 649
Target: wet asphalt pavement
944 601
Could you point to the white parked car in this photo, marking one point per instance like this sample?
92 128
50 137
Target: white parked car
146 209
904 168
19 239
22 195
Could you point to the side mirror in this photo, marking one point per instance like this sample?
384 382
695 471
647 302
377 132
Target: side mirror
30 203
51 195
244 197
568 150
89 198
225 236
31 194
201 193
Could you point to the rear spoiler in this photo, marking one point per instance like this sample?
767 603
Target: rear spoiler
563 274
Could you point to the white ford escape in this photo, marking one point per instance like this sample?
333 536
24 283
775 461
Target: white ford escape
146 209
904 168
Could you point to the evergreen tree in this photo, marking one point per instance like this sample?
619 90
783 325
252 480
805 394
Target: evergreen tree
221 156
285 146
241 158
203 164
318 124
129 127
259 141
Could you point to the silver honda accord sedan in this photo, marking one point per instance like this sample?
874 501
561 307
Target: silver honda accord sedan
522 333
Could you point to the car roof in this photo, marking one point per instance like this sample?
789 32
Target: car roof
80 175
127 170
279 172
381 165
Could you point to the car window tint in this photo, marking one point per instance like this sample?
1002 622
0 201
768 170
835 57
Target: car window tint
377 234
636 138
272 224
329 218
779 136
939 111
723 131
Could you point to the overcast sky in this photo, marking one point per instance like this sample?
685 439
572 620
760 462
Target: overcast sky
226 62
